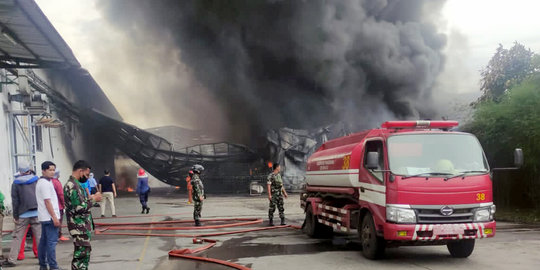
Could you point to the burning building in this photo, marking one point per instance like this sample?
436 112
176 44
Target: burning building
292 147
266 65
256 66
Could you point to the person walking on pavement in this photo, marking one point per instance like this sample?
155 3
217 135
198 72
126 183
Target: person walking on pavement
92 184
108 190
276 192
78 216
23 199
49 217
198 193
189 187
92 187
60 195
143 190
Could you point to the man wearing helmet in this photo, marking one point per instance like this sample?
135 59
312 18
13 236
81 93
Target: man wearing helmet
197 193
143 189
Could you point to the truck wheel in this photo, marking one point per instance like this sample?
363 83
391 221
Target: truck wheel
313 228
461 249
373 246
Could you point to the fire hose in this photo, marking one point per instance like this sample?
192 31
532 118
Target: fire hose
108 228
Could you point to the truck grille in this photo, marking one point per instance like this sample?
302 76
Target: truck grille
432 214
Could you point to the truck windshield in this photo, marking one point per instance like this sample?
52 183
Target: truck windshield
435 154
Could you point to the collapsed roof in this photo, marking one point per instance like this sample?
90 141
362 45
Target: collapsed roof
157 156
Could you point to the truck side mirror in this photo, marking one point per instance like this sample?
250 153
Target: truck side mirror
518 161
372 160
518 157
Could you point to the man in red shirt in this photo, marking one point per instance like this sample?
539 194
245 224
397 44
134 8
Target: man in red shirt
60 194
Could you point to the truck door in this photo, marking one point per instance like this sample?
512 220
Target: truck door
372 187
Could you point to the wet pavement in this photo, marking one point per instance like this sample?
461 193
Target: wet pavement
514 247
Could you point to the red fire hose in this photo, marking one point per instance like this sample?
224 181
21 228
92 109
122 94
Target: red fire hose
106 228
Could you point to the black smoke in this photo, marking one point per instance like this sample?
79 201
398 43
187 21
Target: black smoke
300 64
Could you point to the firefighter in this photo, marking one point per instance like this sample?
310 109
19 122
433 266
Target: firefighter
197 192
143 189
189 187
276 191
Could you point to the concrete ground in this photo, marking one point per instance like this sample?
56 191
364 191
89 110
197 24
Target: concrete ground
514 247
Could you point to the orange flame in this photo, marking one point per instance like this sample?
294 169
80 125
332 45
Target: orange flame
129 189
177 187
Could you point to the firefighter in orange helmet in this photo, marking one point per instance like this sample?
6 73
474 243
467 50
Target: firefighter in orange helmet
189 187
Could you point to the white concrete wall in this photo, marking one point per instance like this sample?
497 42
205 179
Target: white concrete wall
6 173
54 150
59 144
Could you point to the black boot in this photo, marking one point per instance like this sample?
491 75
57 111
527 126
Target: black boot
147 209
197 223
143 208
283 221
270 222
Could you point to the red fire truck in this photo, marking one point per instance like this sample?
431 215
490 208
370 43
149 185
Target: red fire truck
406 183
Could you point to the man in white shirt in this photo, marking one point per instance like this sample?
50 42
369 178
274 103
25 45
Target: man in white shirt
48 216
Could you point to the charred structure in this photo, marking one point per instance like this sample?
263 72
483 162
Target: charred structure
229 166
292 147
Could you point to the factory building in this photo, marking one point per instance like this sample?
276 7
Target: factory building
45 94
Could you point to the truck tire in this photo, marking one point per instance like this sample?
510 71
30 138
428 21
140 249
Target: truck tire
373 246
461 249
313 228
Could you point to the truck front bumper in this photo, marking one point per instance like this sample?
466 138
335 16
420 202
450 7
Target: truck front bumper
433 232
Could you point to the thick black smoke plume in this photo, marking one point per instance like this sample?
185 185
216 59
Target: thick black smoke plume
301 64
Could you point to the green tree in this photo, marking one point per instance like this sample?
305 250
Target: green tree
505 69
513 121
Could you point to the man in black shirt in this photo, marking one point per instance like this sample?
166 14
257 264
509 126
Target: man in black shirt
108 191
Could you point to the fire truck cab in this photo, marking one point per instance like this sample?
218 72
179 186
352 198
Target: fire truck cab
406 183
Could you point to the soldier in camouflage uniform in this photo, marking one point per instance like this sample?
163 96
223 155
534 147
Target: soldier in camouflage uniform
79 219
276 191
197 193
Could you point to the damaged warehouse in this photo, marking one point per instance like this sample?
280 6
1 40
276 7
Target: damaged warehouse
313 100
229 166
48 115
292 147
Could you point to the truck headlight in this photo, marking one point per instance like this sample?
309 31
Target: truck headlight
400 215
492 210
482 214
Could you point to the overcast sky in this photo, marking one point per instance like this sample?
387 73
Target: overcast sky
474 29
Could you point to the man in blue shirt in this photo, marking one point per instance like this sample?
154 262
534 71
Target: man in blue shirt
23 199
92 184
143 190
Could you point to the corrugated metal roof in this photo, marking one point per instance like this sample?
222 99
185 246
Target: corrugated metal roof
28 39
157 156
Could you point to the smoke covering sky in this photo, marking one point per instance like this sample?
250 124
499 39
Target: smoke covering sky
237 68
